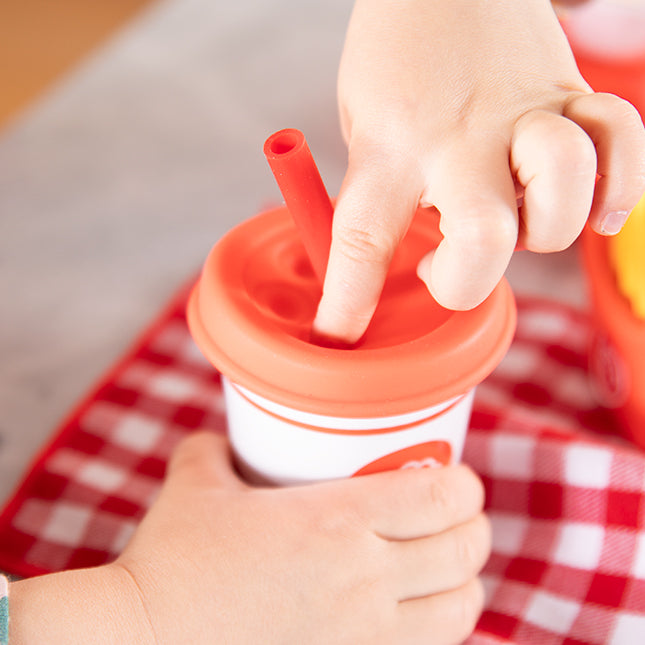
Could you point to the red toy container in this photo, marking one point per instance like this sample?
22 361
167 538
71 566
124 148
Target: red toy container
608 41
617 351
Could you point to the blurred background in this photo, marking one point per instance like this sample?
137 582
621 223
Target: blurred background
131 136
40 40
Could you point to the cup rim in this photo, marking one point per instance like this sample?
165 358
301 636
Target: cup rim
445 363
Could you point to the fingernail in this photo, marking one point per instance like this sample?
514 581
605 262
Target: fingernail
613 222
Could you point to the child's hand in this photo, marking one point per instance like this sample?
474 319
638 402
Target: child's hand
387 558
391 558
467 105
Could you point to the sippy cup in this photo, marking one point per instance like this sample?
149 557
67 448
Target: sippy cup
299 412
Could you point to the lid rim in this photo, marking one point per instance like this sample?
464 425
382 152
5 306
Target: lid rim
264 356
376 407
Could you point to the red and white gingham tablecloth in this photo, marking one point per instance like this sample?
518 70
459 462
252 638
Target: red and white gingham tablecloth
566 497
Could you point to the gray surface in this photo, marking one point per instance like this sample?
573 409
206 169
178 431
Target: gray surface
115 185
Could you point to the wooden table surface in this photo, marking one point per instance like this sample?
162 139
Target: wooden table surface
40 41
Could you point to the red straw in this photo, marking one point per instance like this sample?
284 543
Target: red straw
304 193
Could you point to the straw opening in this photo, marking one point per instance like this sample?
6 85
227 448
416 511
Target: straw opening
283 143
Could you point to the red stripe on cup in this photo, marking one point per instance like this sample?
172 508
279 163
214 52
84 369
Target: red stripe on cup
341 431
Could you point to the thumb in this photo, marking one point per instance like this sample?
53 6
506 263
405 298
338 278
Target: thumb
203 459
375 206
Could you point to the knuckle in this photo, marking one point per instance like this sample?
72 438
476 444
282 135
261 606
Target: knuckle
478 491
547 240
337 525
469 607
487 227
476 602
365 246
621 108
471 485
474 544
576 154
485 536
348 520
387 139
389 149
441 498
619 112
189 453
469 549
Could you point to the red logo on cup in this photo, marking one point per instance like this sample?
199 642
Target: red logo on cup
432 454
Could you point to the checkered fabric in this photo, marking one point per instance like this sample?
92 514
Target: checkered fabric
565 495
87 490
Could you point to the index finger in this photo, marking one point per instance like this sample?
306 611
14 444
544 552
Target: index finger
376 204
414 503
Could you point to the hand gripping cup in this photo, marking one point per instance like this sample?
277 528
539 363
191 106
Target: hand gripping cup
299 412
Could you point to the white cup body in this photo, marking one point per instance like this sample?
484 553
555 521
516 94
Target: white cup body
277 445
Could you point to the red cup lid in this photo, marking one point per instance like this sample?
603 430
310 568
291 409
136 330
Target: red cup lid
251 314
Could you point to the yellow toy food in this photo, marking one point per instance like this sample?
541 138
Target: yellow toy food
627 256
